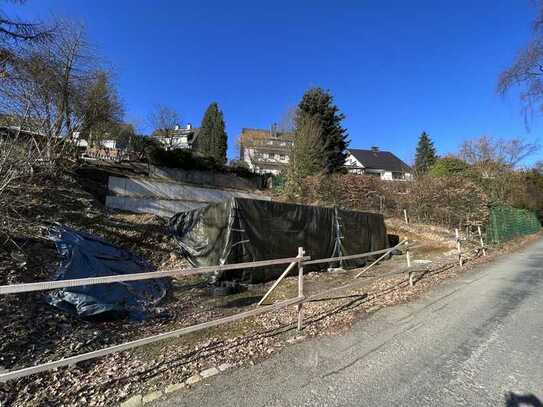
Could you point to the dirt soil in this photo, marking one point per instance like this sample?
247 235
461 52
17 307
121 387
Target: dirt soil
36 332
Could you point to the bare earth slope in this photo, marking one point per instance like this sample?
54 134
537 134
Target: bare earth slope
35 332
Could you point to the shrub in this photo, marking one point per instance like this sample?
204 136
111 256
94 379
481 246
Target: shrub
240 168
448 166
447 200
184 159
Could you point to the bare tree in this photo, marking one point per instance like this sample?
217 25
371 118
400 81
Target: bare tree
526 72
487 150
493 162
15 30
100 108
164 119
49 81
41 99
15 34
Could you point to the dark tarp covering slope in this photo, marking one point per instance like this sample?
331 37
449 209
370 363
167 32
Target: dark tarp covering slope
83 256
244 230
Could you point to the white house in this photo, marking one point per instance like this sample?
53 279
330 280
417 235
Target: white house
265 151
382 164
179 138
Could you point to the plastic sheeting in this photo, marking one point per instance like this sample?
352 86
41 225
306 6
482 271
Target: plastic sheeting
244 230
84 255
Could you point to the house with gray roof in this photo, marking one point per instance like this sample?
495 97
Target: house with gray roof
374 162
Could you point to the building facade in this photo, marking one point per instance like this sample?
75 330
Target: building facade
265 151
179 138
382 164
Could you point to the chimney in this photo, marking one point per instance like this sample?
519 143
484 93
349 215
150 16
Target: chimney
374 148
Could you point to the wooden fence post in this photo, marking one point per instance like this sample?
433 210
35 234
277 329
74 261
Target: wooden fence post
407 253
281 277
481 240
458 247
300 285
408 259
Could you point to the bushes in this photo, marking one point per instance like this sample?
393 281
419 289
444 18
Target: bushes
448 166
240 168
188 160
179 158
447 200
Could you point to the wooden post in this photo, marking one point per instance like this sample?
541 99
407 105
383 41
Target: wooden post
300 285
458 247
380 258
408 258
281 277
407 254
481 239
405 216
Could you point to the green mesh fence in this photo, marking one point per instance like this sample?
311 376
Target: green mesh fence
507 223
278 183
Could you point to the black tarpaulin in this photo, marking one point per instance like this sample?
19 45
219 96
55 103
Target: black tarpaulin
245 230
84 255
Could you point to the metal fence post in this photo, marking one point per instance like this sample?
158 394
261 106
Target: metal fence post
300 285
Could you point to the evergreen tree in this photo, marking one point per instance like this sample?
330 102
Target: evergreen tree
426 154
305 156
212 138
318 104
447 166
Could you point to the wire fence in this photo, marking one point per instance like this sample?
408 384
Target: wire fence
508 223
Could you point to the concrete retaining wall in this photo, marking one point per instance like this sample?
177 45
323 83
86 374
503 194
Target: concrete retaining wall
144 195
207 178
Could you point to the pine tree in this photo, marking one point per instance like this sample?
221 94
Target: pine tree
426 154
212 138
318 104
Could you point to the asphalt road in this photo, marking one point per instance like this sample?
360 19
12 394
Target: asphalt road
474 341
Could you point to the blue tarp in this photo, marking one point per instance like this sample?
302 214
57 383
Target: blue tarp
84 255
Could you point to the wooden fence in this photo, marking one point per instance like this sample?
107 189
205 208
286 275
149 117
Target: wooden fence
300 260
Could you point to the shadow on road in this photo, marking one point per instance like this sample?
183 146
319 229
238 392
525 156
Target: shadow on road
518 400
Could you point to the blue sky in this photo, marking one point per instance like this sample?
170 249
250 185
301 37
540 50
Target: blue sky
395 67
